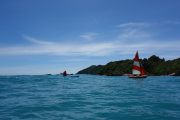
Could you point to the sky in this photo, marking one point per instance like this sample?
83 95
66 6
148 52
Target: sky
50 36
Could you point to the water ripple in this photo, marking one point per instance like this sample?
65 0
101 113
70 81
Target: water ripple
89 97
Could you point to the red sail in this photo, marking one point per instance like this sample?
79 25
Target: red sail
136 70
142 70
136 58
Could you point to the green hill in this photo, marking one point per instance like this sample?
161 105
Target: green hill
153 66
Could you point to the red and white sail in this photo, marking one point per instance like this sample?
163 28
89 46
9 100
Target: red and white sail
136 70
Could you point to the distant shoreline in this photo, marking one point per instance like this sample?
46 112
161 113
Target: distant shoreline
153 65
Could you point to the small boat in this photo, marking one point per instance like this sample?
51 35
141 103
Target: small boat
64 73
172 74
137 70
73 76
69 75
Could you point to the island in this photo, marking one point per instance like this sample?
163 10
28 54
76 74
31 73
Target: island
153 65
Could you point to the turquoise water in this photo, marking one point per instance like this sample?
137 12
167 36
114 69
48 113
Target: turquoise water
89 97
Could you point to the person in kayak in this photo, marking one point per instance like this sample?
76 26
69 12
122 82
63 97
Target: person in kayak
64 73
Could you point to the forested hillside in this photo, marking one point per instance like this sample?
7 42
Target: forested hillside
153 66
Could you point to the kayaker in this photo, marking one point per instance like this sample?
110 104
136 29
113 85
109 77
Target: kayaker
64 73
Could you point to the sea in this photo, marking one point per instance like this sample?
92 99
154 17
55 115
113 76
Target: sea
89 97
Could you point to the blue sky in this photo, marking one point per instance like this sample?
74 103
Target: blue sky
49 36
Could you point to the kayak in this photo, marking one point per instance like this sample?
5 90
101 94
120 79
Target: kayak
74 76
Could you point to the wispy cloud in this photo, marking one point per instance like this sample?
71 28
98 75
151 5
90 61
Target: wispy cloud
55 48
172 22
133 32
95 49
139 36
89 36
133 24
129 39
36 41
144 25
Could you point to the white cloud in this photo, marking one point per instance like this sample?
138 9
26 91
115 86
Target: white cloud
133 24
95 49
55 48
89 36
133 35
36 41
172 22
126 42
137 36
134 32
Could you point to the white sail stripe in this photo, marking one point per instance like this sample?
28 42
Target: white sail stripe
136 63
136 72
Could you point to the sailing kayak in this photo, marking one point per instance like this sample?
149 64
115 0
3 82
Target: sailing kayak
137 70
